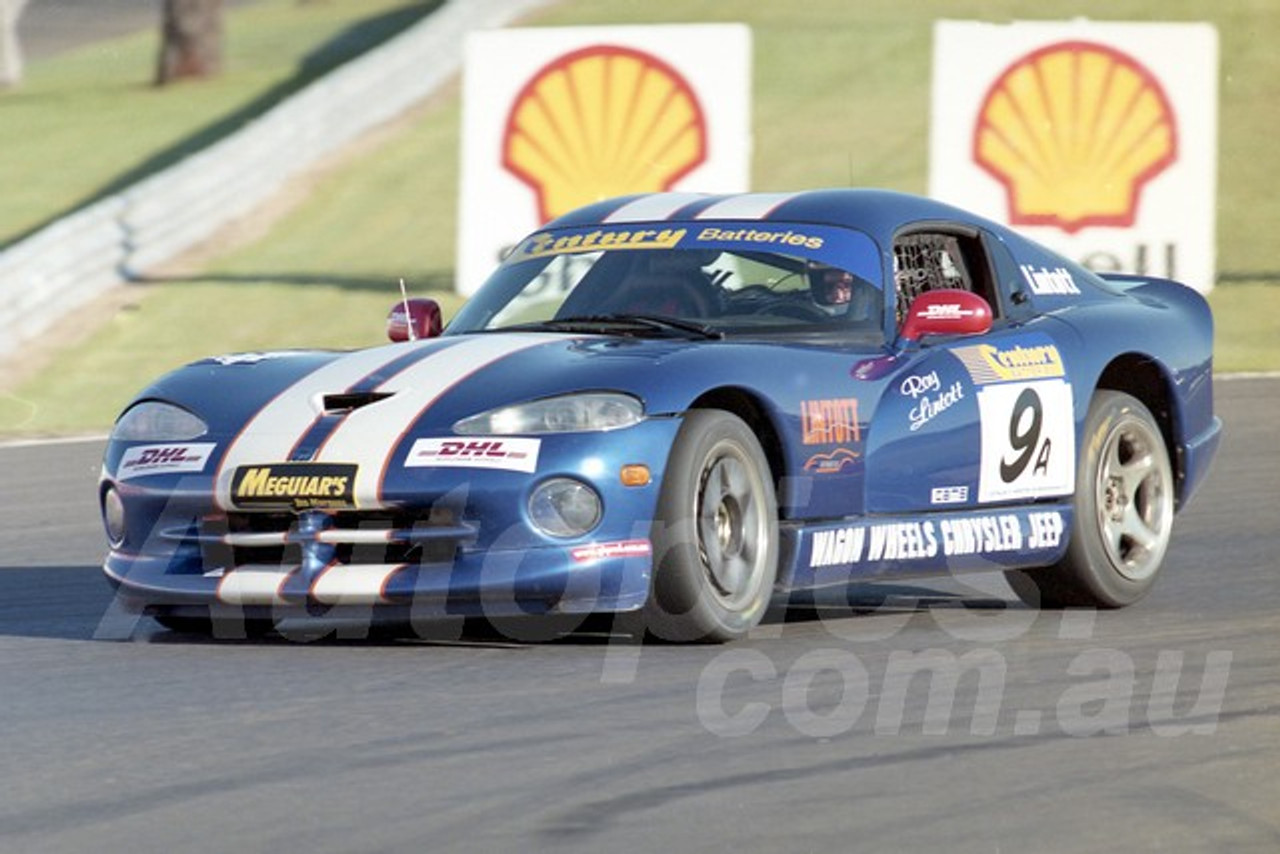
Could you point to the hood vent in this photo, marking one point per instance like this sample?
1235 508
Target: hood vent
340 404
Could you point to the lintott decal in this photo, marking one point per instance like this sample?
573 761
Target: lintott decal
830 422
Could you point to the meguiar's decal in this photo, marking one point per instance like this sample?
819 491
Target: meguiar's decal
296 485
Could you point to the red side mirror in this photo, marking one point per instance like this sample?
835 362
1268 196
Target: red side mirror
412 319
946 312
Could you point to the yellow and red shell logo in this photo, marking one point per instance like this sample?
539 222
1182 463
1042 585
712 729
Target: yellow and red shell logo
603 121
1074 131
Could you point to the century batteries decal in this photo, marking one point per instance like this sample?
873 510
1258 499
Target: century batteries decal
773 237
839 247
143 460
476 452
545 244
961 536
1027 415
992 363
618 238
295 485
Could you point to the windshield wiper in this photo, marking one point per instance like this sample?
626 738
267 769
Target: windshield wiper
615 323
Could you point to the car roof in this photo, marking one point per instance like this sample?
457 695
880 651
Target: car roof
877 212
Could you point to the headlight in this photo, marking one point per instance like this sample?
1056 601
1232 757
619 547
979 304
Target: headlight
113 517
570 413
153 421
563 507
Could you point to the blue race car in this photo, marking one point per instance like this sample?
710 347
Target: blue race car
676 407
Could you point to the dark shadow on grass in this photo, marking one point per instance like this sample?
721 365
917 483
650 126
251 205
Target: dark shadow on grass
1245 277
346 45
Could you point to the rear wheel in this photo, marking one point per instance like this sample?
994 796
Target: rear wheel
1123 513
715 539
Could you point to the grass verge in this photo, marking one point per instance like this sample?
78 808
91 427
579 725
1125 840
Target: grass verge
89 123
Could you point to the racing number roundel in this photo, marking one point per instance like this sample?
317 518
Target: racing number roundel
1027 424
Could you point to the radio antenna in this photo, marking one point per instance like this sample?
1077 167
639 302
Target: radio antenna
404 301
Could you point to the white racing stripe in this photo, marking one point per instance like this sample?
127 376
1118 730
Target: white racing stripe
369 435
353 585
253 585
655 207
751 206
271 434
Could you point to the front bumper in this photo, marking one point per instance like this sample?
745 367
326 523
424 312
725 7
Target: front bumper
490 583
440 541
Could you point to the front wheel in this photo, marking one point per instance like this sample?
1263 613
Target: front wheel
716 534
1123 513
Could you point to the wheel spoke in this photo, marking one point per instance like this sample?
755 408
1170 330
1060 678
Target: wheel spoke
1135 528
731 575
1136 471
735 481
709 536
715 489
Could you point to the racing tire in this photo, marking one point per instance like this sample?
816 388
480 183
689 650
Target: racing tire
1123 513
715 538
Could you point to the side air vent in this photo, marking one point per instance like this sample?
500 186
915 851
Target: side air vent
337 404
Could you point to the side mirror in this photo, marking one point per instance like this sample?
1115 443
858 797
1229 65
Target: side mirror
946 312
413 319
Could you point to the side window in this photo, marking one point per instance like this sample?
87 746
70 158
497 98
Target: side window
931 260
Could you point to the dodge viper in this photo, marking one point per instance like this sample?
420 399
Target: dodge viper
679 408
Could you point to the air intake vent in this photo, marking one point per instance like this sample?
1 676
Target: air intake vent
337 404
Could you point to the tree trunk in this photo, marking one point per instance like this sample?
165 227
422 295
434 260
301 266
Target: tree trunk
191 40
10 50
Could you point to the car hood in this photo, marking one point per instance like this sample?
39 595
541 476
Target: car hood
270 399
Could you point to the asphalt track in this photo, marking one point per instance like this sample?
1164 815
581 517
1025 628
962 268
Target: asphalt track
1153 728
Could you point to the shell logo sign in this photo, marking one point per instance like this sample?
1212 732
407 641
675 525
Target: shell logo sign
1097 139
601 122
1073 131
556 118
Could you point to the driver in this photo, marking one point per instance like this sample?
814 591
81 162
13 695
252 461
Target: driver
830 286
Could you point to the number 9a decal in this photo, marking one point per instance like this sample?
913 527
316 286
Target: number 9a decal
1028 440
1024 436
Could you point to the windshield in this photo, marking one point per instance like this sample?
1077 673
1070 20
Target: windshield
685 278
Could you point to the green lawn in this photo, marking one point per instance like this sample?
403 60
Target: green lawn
841 97
89 122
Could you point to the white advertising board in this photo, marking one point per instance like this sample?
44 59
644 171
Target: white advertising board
1098 139
555 118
